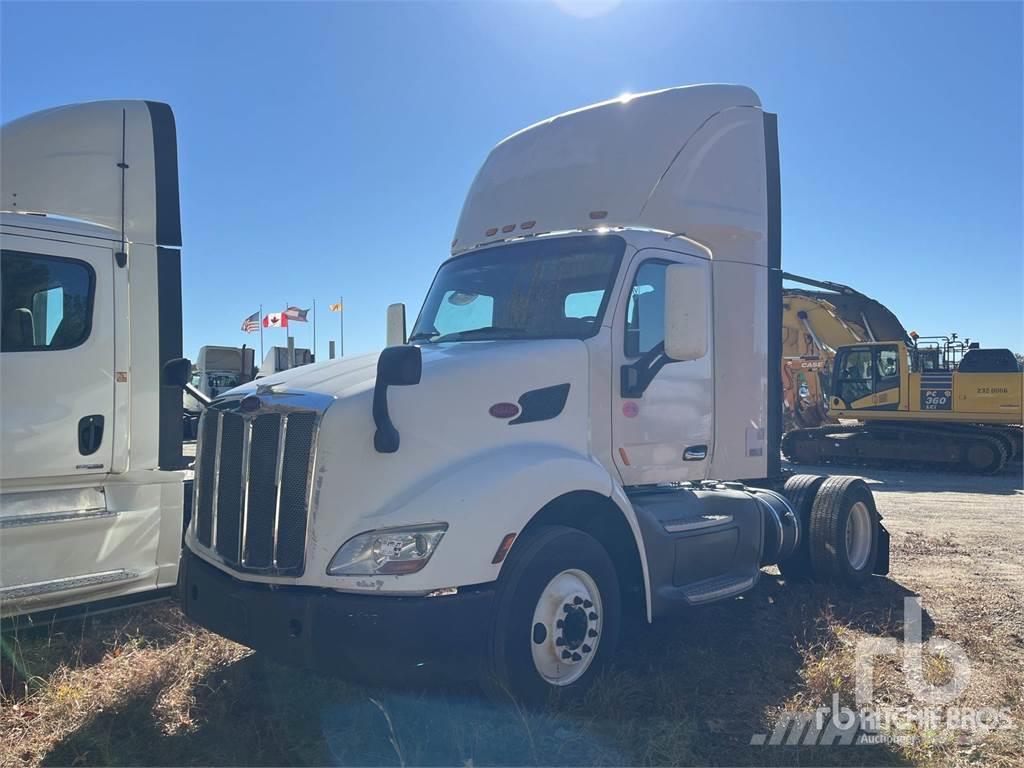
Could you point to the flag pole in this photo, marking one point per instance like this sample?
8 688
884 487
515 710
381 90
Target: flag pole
261 333
314 330
341 327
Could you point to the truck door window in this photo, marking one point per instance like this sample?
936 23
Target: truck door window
46 302
645 314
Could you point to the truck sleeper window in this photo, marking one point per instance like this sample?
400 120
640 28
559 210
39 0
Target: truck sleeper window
538 289
46 302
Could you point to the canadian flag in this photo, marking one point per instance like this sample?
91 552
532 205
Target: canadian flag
275 320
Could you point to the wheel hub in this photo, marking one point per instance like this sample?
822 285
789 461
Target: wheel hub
858 535
566 627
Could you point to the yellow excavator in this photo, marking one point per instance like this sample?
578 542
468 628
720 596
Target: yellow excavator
815 323
941 402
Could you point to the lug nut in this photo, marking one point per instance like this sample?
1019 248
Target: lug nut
591 633
566 607
566 655
559 623
586 648
559 641
577 600
587 604
592 616
577 657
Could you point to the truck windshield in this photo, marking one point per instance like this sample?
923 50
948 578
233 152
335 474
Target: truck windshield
539 289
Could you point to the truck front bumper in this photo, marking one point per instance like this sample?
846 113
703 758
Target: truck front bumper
374 638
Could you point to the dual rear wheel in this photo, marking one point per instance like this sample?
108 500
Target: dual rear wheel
841 530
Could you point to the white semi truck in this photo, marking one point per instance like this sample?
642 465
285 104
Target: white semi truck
91 479
583 427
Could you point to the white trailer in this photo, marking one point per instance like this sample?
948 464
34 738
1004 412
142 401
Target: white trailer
91 480
545 458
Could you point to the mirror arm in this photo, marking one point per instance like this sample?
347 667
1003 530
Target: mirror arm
202 398
386 438
636 377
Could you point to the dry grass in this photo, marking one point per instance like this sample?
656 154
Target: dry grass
144 687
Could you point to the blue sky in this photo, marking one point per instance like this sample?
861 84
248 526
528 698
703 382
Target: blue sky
325 149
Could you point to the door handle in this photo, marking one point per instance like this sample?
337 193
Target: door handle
90 434
695 453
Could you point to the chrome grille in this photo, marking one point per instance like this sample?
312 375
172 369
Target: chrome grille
253 474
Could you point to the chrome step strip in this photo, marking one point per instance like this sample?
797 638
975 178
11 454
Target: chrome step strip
717 588
70 582
696 524
45 518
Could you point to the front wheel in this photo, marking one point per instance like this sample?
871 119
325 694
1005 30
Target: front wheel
557 618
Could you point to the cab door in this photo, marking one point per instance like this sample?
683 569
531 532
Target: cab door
56 358
665 432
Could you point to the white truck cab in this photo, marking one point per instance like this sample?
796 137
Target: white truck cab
91 481
544 457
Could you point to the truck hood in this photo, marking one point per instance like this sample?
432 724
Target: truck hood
448 430
495 360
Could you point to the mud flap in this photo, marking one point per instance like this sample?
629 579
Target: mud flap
882 561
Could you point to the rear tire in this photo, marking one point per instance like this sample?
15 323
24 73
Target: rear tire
800 491
558 594
844 532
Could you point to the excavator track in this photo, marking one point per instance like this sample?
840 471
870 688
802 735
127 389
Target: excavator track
977 449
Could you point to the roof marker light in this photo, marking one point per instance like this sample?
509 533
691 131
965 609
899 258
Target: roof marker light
508 227
596 215
491 232
527 225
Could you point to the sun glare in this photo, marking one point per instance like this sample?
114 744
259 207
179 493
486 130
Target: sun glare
587 9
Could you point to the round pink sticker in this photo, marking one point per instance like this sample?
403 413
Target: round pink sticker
630 409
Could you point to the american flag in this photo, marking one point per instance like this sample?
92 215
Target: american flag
296 315
251 324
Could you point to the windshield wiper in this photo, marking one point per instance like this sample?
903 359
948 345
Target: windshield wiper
423 336
485 332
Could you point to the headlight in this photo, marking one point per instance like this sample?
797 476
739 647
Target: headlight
387 551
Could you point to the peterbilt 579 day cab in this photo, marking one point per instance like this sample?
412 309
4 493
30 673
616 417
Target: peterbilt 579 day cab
91 481
541 460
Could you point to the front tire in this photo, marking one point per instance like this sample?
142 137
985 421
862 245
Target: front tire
557 617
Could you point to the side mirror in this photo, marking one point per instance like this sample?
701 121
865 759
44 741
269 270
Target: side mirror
397 366
177 372
396 325
686 312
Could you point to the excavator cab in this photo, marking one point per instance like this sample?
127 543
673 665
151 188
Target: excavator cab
868 377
